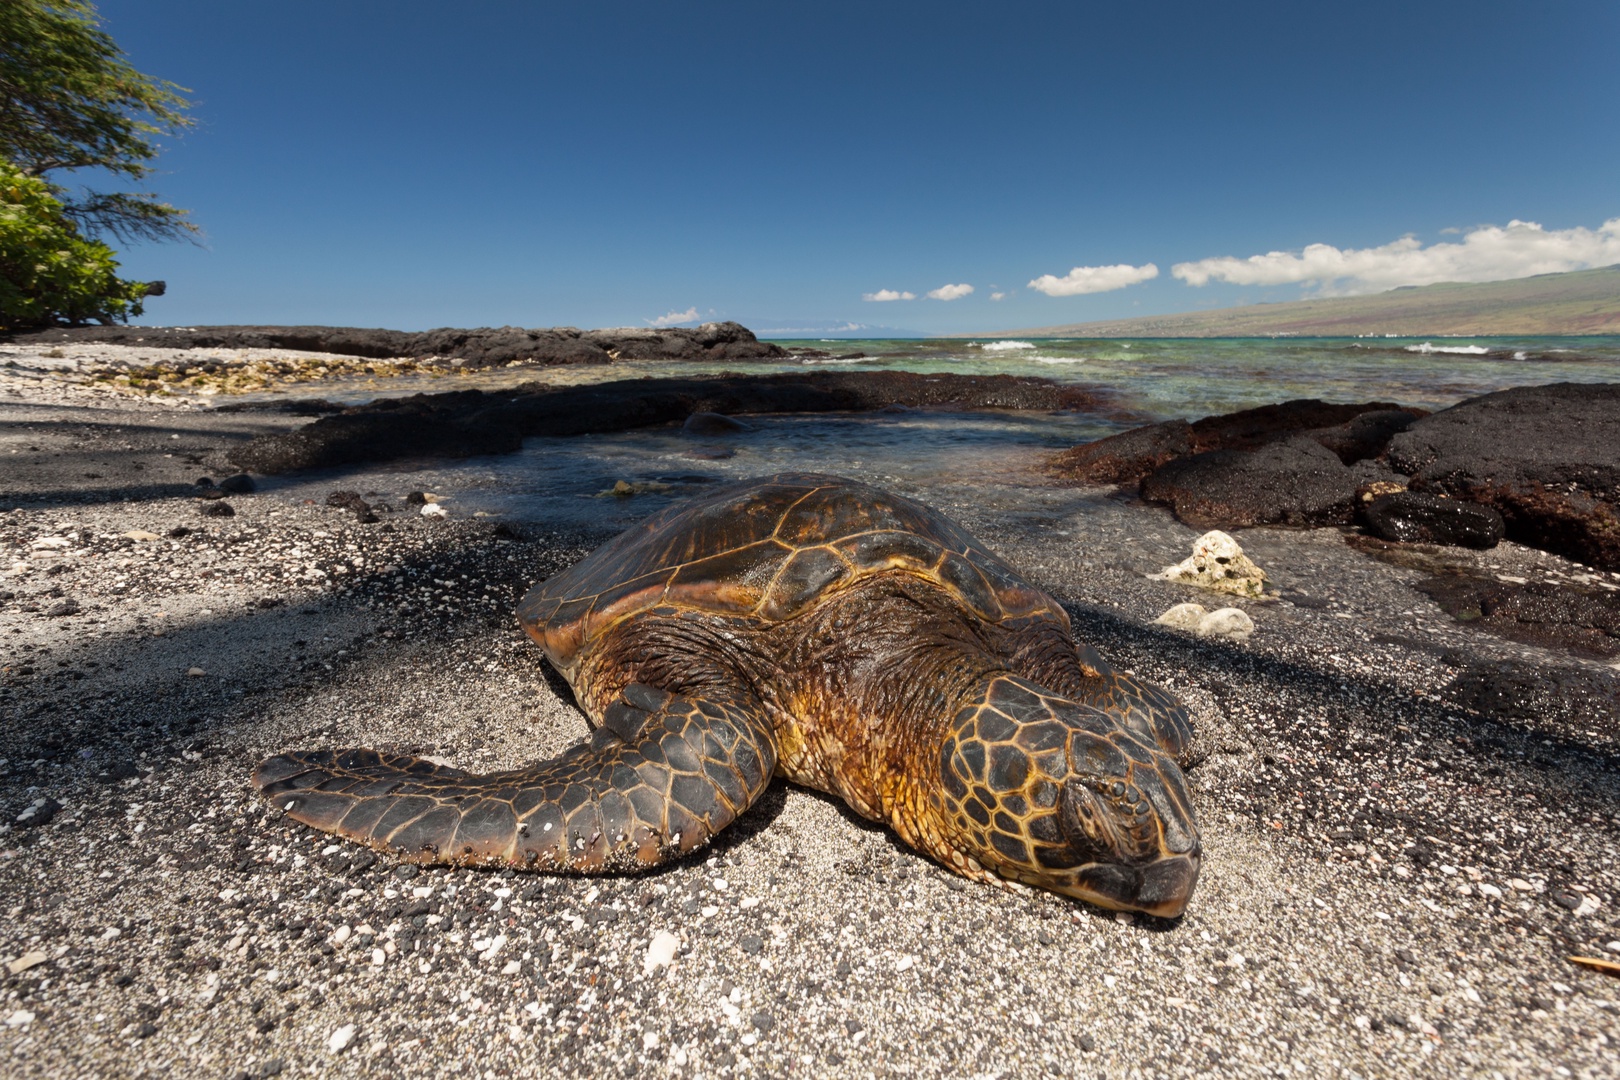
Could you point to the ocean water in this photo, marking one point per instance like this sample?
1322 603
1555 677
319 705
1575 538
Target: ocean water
991 459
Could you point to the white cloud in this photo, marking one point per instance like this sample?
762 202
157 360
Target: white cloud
1485 253
998 296
1094 279
950 292
674 317
884 295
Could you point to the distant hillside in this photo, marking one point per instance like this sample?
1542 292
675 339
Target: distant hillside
1579 302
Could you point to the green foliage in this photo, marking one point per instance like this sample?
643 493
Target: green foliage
70 100
49 272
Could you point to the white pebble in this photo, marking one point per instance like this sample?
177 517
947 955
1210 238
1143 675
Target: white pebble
661 953
20 1018
341 934
378 958
434 510
340 1039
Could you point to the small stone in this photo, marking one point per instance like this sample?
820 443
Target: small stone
146 1031
141 535
69 606
39 812
219 508
341 1039
378 958
434 510
240 484
1044 936
1087 1043
764 1021
27 960
1521 885
20 1018
752 944
661 952
1217 563
196 672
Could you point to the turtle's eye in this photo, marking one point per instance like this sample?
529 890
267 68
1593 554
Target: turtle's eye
1108 821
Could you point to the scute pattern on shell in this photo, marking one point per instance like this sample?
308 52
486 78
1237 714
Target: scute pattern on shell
768 550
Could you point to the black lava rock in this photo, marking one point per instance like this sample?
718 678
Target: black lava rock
1429 519
713 423
1547 458
1294 482
240 484
217 509
1127 457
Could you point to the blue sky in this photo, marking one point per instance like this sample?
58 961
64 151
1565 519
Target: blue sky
414 164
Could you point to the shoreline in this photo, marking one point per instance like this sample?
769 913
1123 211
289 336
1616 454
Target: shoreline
1351 788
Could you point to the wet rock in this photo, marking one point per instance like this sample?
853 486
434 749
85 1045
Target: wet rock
1296 482
240 484
1126 457
1580 619
1551 697
713 423
1547 458
1217 563
1415 516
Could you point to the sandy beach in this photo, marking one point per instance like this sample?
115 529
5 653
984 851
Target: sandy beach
1409 824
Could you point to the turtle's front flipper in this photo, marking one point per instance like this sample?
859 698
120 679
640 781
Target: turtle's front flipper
661 776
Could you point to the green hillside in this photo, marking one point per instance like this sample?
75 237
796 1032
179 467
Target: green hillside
1579 302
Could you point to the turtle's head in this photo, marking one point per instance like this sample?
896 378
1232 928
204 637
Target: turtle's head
1063 796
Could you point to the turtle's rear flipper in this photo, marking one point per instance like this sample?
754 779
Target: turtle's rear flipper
661 776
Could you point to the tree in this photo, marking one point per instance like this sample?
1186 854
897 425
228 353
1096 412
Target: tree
69 99
49 272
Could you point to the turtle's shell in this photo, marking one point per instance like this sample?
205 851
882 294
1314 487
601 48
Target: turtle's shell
769 549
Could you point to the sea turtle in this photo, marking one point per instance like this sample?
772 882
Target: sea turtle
818 628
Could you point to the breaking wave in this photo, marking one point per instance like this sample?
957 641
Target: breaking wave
1456 350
